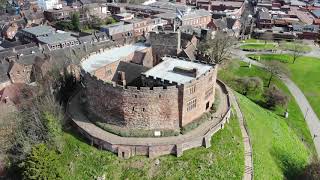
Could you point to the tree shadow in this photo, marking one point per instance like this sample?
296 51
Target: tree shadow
289 165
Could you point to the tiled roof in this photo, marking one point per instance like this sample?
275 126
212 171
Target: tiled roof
57 38
39 30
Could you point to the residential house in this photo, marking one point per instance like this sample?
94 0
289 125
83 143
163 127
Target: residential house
48 4
306 31
140 26
31 34
123 16
264 19
59 40
120 32
65 13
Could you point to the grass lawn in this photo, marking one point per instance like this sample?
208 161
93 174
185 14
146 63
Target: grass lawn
278 152
223 160
305 73
295 121
256 41
290 46
258 46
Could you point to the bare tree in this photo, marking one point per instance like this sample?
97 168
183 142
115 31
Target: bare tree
266 36
297 51
276 68
275 97
219 48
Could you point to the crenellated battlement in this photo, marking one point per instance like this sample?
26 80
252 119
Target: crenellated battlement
133 89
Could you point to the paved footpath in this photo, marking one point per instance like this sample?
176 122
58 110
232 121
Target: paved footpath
310 116
248 156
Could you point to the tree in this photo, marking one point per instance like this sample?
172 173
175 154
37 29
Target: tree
275 97
39 121
110 20
42 163
218 48
65 25
266 36
276 69
297 51
75 20
249 85
311 171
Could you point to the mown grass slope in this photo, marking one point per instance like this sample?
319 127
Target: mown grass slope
278 153
223 160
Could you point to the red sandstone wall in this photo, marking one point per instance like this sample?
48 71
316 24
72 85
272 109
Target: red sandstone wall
103 73
202 86
132 108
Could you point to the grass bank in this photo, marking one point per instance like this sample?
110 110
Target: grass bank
223 160
295 120
278 152
304 72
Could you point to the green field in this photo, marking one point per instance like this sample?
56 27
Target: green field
256 44
295 121
278 152
291 46
304 72
257 41
261 46
223 160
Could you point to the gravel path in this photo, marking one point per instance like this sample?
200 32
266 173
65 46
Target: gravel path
248 157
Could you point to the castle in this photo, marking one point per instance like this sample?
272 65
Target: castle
128 87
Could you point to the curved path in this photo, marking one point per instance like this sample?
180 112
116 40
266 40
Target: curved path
305 107
248 156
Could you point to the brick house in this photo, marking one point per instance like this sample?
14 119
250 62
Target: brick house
10 31
120 32
140 26
264 19
31 34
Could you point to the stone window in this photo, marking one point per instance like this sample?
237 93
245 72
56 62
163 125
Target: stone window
192 89
192 104
208 93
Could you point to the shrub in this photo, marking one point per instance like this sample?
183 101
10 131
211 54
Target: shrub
42 163
311 172
194 124
249 85
275 97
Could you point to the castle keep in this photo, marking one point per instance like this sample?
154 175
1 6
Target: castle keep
121 91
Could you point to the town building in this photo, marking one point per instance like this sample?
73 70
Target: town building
264 19
140 26
58 40
48 4
120 32
31 34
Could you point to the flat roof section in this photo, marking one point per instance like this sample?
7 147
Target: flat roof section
39 30
164 70
96 61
